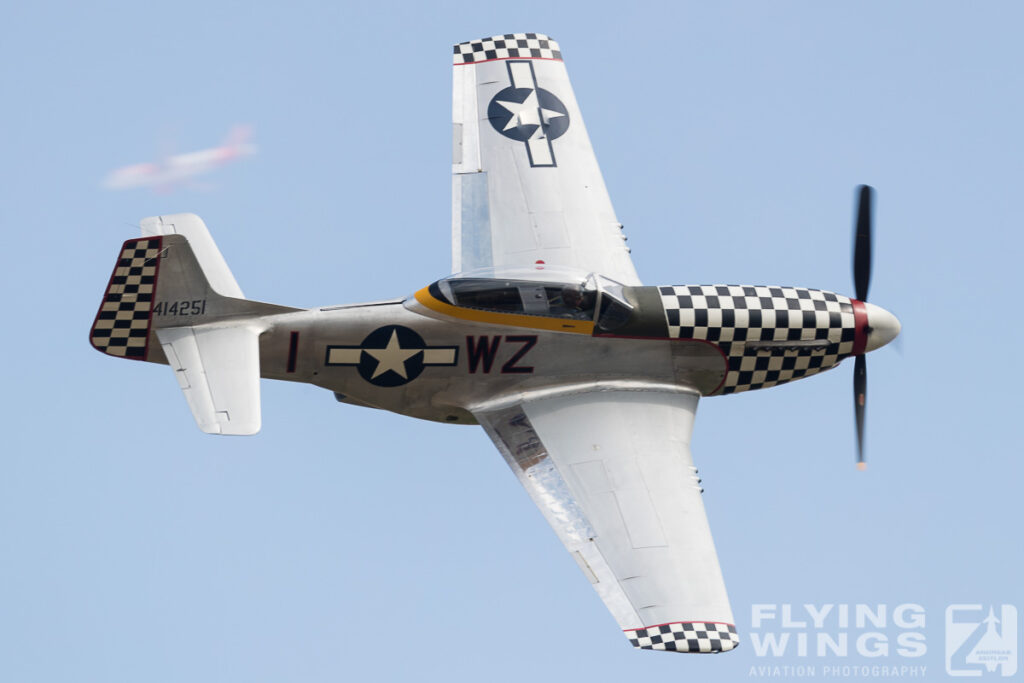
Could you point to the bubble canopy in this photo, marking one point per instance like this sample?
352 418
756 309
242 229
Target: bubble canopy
553 292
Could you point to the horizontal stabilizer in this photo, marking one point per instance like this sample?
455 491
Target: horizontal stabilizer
218 369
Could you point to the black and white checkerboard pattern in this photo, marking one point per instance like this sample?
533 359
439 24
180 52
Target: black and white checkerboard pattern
693 636
508 46
737 317
122 324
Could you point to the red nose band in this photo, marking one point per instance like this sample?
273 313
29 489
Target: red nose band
860 327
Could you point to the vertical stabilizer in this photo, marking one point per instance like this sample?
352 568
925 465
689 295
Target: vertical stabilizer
172 299
212 263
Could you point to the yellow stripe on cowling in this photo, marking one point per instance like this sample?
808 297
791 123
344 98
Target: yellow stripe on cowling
515 320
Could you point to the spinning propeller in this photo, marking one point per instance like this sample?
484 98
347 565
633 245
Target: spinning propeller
880 326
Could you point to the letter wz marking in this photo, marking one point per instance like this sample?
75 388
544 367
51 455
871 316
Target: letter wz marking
528 341
482 351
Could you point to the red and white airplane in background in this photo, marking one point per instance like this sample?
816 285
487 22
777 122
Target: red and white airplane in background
180 168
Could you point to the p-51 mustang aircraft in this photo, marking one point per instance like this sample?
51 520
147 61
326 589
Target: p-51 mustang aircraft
586 380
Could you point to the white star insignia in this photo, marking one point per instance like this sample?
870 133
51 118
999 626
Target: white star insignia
392 357
529 113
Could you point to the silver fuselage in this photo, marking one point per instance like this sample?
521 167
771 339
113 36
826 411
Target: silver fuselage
456 365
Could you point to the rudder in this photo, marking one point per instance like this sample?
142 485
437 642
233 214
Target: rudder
122 324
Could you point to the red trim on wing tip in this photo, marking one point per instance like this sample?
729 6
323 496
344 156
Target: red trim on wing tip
860 327
502 59
669 623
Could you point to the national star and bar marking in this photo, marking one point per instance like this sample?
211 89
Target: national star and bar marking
391 356
529 114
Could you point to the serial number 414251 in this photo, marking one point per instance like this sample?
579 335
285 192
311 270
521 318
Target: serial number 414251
181 308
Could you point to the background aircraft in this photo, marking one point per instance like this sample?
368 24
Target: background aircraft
180 169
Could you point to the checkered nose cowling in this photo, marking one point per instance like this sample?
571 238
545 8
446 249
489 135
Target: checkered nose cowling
122 324
768 335
686 636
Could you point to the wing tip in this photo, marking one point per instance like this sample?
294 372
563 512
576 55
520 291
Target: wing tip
507 46
705 637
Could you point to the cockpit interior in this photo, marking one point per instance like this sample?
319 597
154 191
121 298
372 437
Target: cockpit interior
593 298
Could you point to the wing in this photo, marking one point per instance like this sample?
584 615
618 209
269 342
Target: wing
526 186
612 473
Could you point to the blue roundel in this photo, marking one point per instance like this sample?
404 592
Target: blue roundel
392 356
517 113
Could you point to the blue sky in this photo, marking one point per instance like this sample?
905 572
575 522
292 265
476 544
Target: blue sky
348 544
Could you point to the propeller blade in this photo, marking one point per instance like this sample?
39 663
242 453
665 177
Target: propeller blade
862 244
860 389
